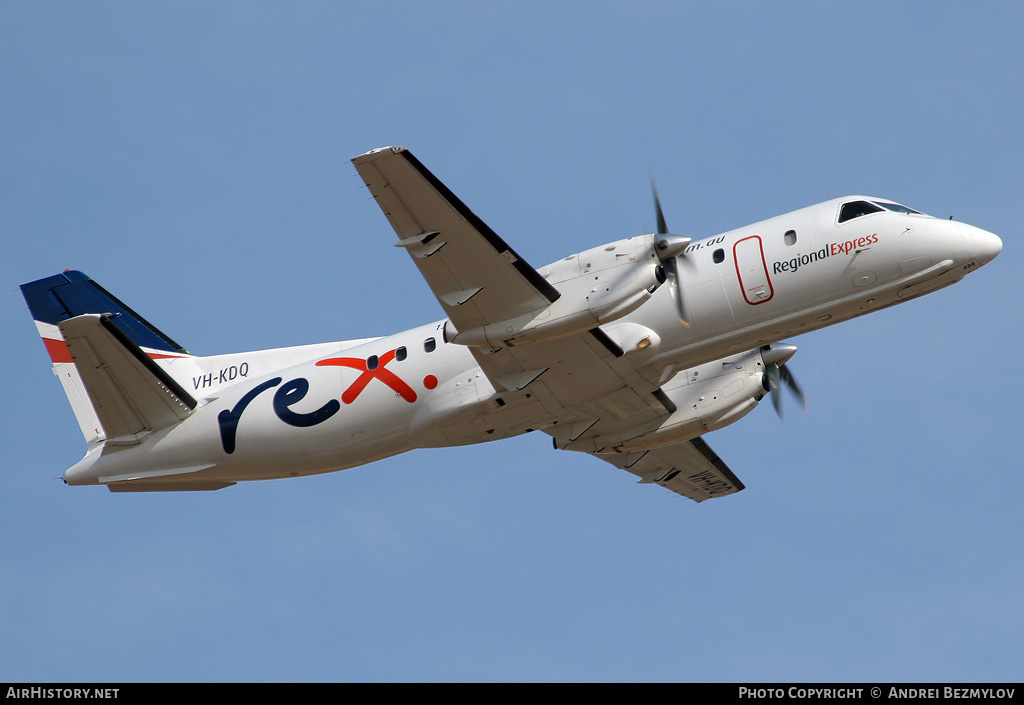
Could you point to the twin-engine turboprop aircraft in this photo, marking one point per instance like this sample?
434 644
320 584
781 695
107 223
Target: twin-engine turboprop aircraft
629 352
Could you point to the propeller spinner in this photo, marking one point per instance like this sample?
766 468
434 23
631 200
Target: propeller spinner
775 358
669 248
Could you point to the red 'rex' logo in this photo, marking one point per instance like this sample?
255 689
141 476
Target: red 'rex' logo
387 377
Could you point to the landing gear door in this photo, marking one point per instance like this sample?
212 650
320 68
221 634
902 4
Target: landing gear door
752 271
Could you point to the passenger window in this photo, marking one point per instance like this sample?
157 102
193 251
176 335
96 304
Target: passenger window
718 256
429 344
400 353
371 362
856 209
790 237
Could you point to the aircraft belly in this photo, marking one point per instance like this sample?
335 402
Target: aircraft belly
261 446
469 410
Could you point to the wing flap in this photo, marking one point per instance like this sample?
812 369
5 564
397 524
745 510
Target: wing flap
130 393
690 469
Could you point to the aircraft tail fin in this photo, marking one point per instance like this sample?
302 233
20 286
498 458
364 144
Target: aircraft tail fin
103 353
63 296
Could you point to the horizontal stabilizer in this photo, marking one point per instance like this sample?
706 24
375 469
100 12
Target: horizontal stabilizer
130 393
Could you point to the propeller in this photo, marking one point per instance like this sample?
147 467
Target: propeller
669 248
775 358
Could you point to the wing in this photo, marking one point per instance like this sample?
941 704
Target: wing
474 274
478 279
691 469
585 382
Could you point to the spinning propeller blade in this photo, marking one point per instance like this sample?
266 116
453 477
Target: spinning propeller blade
669 248
775 358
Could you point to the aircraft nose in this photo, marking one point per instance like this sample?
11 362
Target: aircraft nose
986 245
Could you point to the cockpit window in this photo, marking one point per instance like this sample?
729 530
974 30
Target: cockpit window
896 208
856 209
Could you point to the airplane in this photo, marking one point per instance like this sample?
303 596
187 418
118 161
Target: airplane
630 352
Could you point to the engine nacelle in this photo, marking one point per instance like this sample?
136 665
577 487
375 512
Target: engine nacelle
706 398
597 286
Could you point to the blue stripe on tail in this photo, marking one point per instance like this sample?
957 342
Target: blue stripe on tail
63 296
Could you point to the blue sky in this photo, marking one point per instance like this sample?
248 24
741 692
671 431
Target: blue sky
193 158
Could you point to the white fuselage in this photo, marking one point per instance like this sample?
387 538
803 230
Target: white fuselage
315 409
